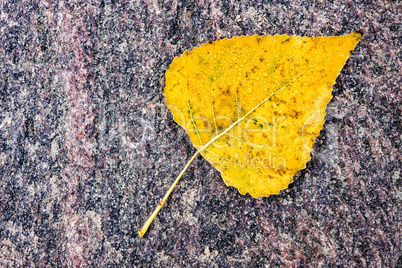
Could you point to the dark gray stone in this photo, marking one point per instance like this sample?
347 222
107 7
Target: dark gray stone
88 148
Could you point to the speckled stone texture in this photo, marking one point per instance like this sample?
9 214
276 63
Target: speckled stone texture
88 147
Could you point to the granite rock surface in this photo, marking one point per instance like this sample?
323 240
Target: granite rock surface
88 147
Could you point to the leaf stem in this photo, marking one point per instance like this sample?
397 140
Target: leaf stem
153 215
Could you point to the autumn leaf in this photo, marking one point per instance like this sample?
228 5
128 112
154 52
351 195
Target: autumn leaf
253 105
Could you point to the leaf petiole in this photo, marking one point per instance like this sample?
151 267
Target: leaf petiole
153 215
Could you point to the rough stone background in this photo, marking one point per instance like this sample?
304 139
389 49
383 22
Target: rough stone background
88 148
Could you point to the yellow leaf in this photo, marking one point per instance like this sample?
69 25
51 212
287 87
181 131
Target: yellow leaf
253 105
282 83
